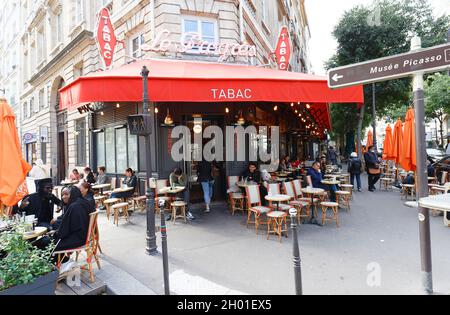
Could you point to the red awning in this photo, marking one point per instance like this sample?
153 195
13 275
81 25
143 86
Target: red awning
188 81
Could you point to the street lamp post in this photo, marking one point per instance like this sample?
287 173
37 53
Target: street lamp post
374 117
151 248
162 205
296 253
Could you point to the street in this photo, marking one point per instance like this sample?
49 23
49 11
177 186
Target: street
217 254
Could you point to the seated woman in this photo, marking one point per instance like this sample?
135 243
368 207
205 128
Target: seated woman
73 230
65 195
316 180
130 181
75 175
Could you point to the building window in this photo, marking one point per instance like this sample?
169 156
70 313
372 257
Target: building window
136 44
30 107
41 99
59 28
80 141
117 150
78 70
41 47
44 152
79 11
205 28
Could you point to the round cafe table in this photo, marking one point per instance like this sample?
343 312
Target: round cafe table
101 187
310 191
277 198
37 232
123 189
171 191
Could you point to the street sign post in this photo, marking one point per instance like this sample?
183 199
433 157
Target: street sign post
427 60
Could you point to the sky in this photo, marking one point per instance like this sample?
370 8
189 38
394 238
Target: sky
323 16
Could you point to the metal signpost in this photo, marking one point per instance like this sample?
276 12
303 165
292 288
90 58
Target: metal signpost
417 62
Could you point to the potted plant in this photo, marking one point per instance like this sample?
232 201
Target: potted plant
25 269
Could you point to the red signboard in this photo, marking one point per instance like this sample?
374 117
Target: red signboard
283 50
106 38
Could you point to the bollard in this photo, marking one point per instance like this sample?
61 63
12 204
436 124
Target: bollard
296 253
162 205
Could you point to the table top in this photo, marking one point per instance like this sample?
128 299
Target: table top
170 190
279 179
245 184
312 190
67 182
330 182
38 231
284 174
438 202
123 189
101 186
277 198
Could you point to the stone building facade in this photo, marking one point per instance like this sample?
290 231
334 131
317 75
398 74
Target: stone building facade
57 45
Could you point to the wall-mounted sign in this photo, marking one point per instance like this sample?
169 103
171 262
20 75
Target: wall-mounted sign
192 43
29 137
93 107
106 38
283 50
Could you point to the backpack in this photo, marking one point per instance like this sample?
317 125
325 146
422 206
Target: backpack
355 166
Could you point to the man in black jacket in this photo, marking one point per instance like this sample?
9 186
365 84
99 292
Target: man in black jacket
372 162
42 203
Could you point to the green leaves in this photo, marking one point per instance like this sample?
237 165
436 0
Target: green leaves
22 263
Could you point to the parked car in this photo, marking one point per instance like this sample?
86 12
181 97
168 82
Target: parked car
436 154
442 166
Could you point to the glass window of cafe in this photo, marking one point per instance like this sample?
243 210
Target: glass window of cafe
114 146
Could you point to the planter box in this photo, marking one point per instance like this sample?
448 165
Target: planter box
45 285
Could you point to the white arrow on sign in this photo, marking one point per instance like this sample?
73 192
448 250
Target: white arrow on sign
336 77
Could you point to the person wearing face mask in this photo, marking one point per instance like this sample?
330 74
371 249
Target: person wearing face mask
41 204
315 173
372 163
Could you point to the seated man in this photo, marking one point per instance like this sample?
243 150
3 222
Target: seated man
178 179
41 204
254 175
316 180
101 177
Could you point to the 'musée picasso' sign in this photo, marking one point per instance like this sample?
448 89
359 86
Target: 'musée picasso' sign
192 43
106 38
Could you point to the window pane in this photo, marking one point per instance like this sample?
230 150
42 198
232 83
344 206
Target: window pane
121 148
132 151
110 150
208 30
101 149
80 132
190 26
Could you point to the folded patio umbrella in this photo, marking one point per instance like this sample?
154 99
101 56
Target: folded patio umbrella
408 154
369 140
397 142
13 168
387 146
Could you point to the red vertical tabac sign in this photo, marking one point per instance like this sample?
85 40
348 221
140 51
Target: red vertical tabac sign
283 50
106 38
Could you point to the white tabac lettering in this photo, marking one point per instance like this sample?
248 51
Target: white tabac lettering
231 94
248 93
106 29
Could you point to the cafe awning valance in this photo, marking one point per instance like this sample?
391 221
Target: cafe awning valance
193 81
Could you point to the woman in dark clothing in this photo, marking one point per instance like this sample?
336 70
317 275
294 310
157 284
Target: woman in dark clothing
75 224
90 178
130 181
65 196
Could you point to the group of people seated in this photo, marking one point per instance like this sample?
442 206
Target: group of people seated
89 176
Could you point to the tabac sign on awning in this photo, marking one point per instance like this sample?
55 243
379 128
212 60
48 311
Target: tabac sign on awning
283 50
425 60
106 37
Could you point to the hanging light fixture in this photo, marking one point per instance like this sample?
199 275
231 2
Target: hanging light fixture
292 104
168 120
241 120
156 110
227 110
102 113
308 106
298 103
275 108
296 111
117 105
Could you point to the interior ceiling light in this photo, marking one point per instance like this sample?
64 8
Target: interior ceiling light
168 120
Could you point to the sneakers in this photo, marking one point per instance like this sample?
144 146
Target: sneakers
189 216
67 267
208 210
359 190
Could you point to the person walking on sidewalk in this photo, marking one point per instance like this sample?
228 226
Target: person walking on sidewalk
373 167
354 168
205 177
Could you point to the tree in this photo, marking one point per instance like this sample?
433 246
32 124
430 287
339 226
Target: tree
437 99
358 42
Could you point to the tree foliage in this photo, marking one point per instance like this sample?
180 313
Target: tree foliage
358 42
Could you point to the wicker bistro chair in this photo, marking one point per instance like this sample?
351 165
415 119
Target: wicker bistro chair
303 207
334 206
255 209
236 199
91 247
299 196
108 204
139 201
120 206
441 189
274 189
343 199
161 183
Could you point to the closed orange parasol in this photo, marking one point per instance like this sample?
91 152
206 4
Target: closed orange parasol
397 142
408 153
369 142
13 169
387 146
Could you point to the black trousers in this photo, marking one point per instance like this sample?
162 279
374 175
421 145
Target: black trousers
373 179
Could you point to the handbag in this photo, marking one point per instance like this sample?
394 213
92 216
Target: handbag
374 171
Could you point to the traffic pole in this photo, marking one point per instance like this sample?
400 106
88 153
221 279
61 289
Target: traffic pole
422 175
296 253
162 205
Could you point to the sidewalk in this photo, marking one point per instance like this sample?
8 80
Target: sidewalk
217 254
